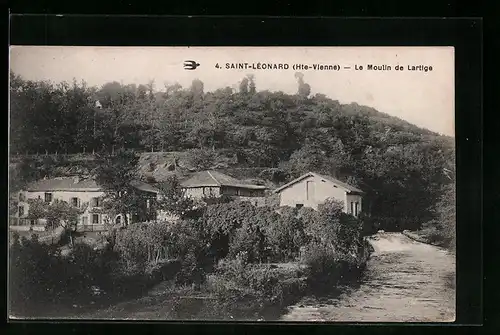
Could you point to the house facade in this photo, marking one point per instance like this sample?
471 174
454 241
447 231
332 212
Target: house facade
312 189
215 184
81 193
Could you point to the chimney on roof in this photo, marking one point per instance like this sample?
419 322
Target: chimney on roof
76 179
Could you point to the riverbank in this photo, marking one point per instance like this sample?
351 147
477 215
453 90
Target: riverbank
273 288
168 302
420 237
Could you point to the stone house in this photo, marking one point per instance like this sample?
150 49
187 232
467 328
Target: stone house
83 193
215 184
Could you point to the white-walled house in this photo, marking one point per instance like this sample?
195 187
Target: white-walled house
311 189
82 193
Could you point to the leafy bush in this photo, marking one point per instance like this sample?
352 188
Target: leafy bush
442 230
142 246
250 239
285 235
220 222
39 274
172 199
322 260
237 279
331 226
334 247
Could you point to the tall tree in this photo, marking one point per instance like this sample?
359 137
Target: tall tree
115 175
251 84
244 86
304 89
172 199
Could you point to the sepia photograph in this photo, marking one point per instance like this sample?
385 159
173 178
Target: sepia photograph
289 184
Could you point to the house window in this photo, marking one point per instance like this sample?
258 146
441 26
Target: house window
352 208
208 191
85 220
356 208
96 219
299 205
96 202
310 190
48 197
21 210
75 202
21 197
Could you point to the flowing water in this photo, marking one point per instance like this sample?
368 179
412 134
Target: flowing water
405 281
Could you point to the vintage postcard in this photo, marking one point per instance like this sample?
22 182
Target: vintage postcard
232 183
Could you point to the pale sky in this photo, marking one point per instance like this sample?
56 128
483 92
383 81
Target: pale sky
425 99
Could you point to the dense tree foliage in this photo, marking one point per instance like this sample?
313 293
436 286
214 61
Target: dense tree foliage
172 199
115 175
400 166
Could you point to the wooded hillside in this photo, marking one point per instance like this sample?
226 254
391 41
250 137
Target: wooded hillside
402 168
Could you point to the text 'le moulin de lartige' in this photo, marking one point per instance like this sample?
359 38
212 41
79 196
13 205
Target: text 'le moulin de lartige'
323 67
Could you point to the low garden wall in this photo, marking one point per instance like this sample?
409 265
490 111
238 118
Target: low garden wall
27 228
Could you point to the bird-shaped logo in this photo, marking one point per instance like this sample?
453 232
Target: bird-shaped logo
190 65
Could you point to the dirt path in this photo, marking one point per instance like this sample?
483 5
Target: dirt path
405 281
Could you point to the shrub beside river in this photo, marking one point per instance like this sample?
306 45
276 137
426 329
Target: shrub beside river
230 260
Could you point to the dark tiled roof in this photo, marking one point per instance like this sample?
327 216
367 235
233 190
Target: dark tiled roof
78 184
64 184
347 187
216 179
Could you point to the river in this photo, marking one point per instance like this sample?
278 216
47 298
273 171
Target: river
405 281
